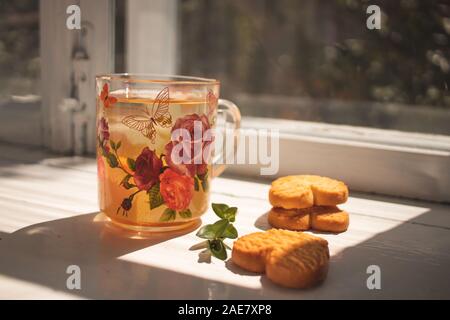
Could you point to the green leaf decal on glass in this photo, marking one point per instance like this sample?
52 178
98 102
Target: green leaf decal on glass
185 214
131 164
155 197
204 181
168 215
126 182
196 185
118 145
113 145
112 160
205 185
104 151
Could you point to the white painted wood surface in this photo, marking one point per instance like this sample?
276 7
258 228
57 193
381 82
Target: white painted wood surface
49 220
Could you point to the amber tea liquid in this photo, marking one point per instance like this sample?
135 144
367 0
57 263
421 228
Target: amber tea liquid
137 187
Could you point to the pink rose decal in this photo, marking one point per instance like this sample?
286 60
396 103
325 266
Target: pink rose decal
103 134
197 146
147 168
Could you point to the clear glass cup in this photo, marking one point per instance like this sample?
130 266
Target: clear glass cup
150 178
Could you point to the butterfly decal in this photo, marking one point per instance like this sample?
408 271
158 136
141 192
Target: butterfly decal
106 98
157 115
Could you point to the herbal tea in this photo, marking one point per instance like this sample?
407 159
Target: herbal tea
138 182
143 185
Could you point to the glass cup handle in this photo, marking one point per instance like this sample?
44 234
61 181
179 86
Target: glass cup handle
227 108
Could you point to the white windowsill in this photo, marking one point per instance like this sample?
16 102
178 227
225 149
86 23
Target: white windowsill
388 162
48 205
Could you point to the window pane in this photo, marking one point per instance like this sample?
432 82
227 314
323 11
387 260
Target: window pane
316 60
19 72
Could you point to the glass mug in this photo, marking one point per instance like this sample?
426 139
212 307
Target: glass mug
142 184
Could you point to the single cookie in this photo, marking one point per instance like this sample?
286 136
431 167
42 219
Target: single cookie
291 193
291 259
330 219
302 264
249 252
290 219
304 191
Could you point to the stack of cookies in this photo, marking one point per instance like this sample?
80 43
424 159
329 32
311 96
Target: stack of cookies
289 258
304 202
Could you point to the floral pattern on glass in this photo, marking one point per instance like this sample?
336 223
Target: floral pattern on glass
164 181
106 98
157 115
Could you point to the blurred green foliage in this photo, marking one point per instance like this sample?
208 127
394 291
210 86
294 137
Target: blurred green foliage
19 47
321 48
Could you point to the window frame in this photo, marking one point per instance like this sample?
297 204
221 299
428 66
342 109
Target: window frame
69 121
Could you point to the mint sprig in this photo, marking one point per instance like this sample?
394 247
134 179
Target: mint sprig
222 229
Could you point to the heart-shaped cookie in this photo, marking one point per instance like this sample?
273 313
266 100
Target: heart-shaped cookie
290 259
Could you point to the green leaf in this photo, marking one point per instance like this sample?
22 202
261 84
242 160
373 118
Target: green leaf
219 209
112 160
213 231
155 197
118 145
185 214
168 215
220 226
224 211
230 214
206 232
196 185
218 249
131 164
230 232
113 145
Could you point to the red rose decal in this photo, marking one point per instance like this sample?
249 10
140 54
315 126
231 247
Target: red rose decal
197 129
148 167
177 190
